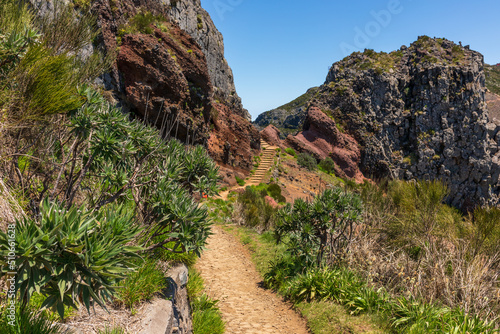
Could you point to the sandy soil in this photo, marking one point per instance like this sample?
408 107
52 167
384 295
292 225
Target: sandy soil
231 277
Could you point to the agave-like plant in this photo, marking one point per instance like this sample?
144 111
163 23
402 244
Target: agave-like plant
320 229
71 256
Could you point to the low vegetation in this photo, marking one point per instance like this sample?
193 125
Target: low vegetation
207 318
291 151
308 161
393 253
327 165
492 74
141 285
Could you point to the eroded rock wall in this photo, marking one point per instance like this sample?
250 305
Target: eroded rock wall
176 77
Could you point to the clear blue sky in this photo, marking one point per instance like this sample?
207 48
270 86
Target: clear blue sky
280 48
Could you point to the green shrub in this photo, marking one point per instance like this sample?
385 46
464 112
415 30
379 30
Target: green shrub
486 230
176 219
253 209
327 165
274 191
306 160
321 229
71 256
241 182
280 270
141 285
39 67
291 151
420 213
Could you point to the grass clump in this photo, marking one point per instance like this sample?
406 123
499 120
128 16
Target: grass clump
113 330
291 151
27 320
207 318
141 285
240 181
306 160
143 23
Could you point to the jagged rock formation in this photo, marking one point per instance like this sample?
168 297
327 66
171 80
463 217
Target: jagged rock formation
288 118
193 19
177 78
160 75
419 113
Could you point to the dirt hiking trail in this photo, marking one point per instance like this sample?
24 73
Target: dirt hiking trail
230 277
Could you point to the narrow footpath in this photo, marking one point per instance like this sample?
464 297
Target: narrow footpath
230 277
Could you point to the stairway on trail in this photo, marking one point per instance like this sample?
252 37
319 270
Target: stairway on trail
266 163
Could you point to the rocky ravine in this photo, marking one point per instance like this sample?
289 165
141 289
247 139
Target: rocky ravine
177 76
418 113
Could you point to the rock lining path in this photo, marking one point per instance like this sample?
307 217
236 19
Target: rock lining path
230 277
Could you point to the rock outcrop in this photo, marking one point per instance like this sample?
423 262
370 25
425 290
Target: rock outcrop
193 19
272 135
234 141
166 83
321 138
419 113
171 71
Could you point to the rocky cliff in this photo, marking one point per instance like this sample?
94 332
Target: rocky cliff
171 70
419 113
193 19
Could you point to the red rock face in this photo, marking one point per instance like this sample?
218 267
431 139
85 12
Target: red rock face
321 138
233 141
164 78
271 135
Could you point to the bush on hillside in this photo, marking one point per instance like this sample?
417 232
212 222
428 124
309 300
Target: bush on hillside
39 66
291 151
320 230
327 165
420 214
485 232
252 209
306 160
274 191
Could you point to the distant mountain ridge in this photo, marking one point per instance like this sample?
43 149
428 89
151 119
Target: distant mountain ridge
288 118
